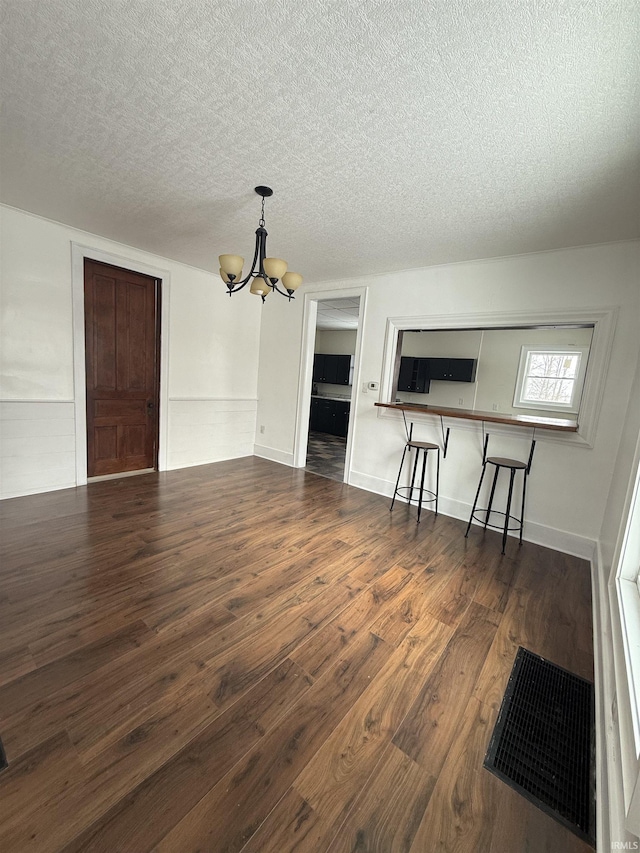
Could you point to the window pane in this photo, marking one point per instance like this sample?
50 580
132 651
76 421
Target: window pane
559 364
547 390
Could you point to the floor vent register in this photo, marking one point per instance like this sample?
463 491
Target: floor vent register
543 742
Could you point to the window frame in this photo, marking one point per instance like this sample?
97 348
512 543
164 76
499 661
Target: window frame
545 405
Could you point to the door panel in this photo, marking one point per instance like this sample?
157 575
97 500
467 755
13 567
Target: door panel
122 345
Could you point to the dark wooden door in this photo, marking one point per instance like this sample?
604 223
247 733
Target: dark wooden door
122 369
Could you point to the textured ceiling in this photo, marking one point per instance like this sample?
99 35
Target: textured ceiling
395 134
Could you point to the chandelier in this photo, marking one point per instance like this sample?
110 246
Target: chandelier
265 272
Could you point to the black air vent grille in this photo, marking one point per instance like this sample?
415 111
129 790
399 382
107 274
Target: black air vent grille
542 742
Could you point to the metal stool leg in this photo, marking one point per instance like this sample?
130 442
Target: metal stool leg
437 477
475 502
424 468
413 475
404 453
524 492
506 518
493 491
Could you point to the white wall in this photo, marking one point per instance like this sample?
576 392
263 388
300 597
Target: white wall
569 482
212 357
620 771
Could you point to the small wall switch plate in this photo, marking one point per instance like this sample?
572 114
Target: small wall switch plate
373 386
262 429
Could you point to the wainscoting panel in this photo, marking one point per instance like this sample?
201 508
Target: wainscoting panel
37 447
209 430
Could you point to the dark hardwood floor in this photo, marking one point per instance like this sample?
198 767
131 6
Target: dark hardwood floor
245 656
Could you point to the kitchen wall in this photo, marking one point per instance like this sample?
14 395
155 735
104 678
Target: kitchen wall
569 481
210 346
336 342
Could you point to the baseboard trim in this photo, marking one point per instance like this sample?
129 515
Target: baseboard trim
539 534
37 490
273 454
225 458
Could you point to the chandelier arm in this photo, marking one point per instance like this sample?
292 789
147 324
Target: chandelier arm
261 244
238 286
256 254
282 292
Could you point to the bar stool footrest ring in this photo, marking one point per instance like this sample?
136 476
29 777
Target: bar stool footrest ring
408 498
481 521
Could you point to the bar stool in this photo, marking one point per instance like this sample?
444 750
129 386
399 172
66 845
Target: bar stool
406 492
513 465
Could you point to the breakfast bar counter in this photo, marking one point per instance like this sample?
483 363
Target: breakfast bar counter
561 424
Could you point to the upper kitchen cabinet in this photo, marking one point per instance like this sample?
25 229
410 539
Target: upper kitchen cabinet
453 369
414 375
332 369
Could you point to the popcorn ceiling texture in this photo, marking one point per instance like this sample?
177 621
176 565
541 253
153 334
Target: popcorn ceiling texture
394 134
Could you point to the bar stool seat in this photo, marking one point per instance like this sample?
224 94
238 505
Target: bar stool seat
406 492
423 445
513 466
503 462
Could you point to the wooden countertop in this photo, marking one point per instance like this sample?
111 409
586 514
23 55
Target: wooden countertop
561 424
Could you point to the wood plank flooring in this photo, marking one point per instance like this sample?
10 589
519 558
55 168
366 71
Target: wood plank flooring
248 657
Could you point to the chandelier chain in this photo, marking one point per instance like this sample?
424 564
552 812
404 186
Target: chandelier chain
261 222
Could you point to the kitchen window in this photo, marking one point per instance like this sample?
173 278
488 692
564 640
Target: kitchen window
550 378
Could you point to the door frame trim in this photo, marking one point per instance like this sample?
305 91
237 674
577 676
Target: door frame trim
79 252
310 314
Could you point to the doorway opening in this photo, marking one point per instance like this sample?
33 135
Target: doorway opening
332 382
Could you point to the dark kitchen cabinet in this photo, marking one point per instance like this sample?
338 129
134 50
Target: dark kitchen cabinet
330 416
453 369
318 367
340 418
414 375
333 369
320 419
